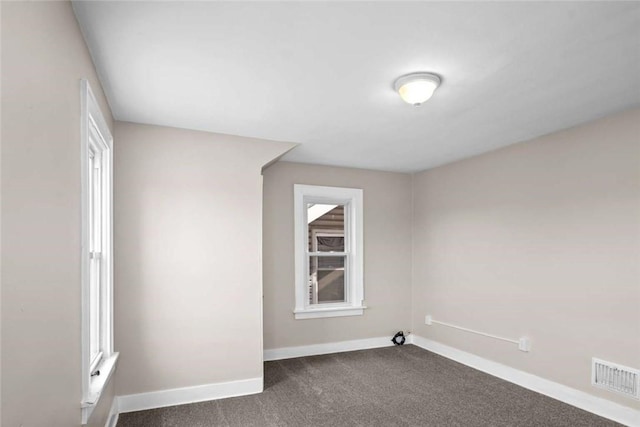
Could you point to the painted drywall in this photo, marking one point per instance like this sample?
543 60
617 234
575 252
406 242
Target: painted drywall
43 59
188 265
387 255
0 223
539 239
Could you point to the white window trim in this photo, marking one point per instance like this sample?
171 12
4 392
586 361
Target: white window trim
352 199
92 386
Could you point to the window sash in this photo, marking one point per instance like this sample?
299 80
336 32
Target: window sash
327 254
313 299
96 216
95 312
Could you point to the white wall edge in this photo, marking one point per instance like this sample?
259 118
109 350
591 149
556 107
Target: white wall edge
112 418
571 396
327 348
181 396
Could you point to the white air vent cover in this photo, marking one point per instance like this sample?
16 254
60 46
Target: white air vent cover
614 377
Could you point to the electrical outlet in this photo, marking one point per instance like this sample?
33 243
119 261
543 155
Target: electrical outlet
427 320
524 344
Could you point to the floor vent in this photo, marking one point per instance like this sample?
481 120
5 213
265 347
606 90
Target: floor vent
614 377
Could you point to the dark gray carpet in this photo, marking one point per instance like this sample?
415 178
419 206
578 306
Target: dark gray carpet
394 386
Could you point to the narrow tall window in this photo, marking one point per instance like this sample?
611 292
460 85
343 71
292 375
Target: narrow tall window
98 358
328 253
97 272
328 227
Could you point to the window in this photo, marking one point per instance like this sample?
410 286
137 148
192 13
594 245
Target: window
98 358
328 251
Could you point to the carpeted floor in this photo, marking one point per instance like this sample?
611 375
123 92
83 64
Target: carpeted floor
393 386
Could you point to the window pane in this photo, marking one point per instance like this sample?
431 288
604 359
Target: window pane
94 309
326 279
97 204
95 194
91 196
325 227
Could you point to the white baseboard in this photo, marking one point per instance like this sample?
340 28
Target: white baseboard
180 396
112 419
571 396
327 348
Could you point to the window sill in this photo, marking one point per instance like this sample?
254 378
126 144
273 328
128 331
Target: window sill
316 313
98 383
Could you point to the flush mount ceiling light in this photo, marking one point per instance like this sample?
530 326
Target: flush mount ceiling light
416 88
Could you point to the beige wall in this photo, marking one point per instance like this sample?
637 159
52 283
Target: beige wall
0 219
387 255
539 239
43 59
188 242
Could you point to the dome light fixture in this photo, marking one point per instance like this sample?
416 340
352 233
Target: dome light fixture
417 88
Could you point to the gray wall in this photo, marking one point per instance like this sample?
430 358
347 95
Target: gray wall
387 255
188 267
540 239
43 59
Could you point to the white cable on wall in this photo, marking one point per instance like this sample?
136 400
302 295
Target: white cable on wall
524 343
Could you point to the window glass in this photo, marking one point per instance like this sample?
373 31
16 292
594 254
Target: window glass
325 229
326 279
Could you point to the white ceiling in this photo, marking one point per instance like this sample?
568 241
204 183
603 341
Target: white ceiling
321 73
